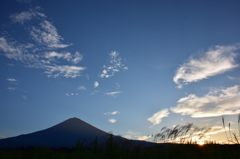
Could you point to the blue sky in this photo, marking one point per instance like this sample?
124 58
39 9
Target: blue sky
129 67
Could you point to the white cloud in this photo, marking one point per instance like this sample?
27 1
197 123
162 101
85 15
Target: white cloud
11 80
68 94
115 65
96 84
66 71
157 117
112 121
6 47
136 136
76 58
12 84
82 88
71 94
214 61
26 16
143 138
22 17
47 34
70 57
45 53
113 93
215 103
19 52
52 55
13 52
112 113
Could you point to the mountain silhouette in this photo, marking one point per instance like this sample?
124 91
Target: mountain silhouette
65 134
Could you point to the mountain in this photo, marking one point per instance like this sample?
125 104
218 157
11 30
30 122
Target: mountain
65 134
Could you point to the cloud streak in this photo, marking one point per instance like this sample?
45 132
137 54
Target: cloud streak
136 136
113 93
64 70
67 56
157 117
214 61
71 94
11 80
215 103
112 113
82 88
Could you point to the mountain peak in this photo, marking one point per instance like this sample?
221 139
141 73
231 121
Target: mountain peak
64 134
73 119
74 124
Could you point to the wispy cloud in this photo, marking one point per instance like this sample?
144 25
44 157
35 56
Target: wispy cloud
71 94
47 35
15 52
67 56
110 116
112 121
115 65
96 84
82 88
214 61
144 137
45 50
12 84
11 80
64 70
44 32
157 117
113 93
233 78
136 136
215 103
26 16
112 113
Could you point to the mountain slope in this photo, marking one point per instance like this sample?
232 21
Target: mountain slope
65 134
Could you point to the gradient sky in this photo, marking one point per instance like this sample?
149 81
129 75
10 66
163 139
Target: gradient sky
129 67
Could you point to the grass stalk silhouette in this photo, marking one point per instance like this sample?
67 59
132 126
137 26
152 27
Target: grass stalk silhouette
182 134
233 136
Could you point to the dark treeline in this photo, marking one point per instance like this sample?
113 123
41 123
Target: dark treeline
128 151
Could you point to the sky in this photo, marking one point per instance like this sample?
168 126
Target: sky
126 67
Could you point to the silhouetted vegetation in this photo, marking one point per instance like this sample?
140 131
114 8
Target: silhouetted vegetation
232 135
184 134
127 150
